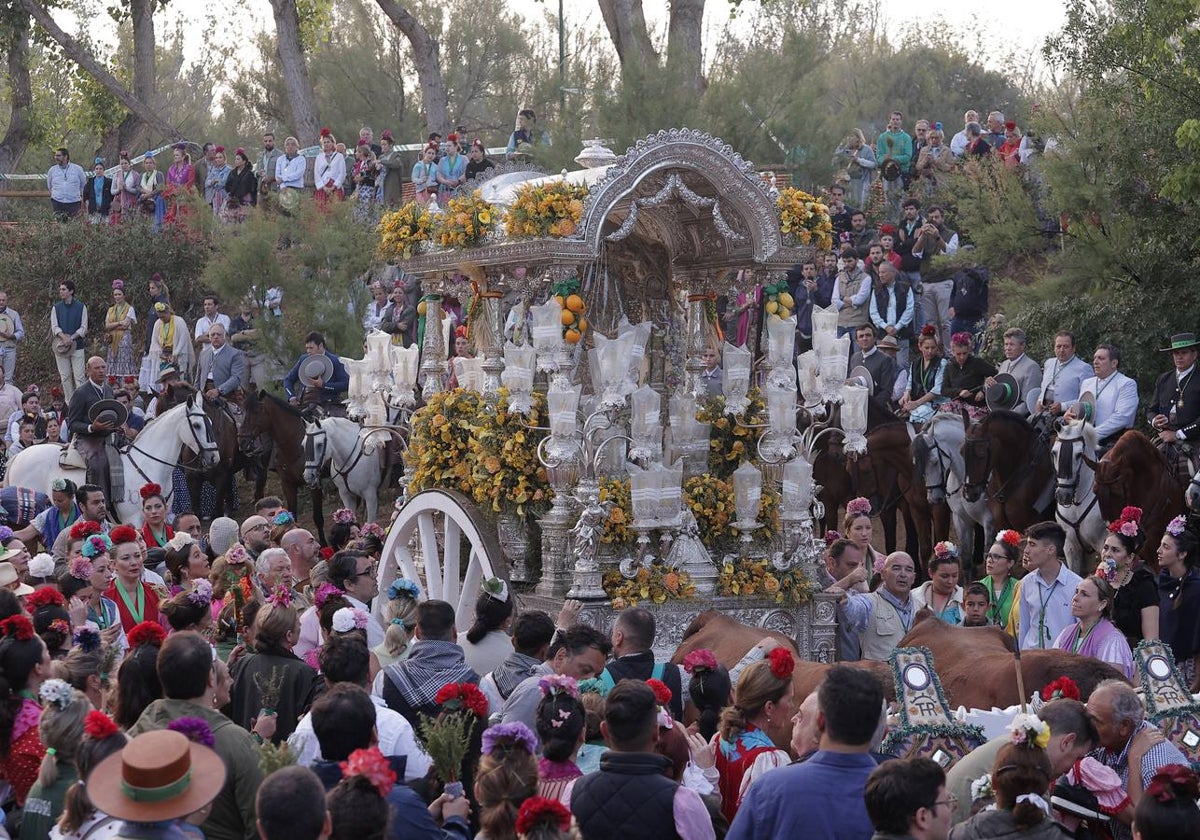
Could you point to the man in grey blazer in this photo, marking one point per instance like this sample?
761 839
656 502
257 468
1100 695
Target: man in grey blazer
219 374
1025 370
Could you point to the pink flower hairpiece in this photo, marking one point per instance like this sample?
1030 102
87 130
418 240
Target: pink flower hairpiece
349 618
1127 524
858 507
81 568
237 555
281 597
202 593
700 661
324 592
343 516
1177 526
880 564
831 536
945 549
558 683
371 529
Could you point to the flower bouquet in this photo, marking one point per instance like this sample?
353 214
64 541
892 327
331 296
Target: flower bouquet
401 231
447 738
731 442
620 514
804 219
659 583
465 221
759 578
552 209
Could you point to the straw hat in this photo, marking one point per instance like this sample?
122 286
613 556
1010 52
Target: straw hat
9 576
157 776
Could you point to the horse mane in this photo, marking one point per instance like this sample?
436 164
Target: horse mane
1132 447
282 404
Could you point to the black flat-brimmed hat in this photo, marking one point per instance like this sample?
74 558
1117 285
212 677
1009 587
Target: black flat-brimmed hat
1181 341
111 411
1004 394
157 776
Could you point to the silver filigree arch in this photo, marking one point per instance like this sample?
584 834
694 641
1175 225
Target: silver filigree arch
675 187
735 180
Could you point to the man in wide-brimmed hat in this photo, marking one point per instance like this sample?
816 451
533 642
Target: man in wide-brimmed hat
1175 410
92 416
318 378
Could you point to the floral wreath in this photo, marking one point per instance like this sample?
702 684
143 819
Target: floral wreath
858 507
98 726
505 737
403 588
97 544
194 729
1029 731
372 765
1009 537
147 633
17 627
552 684
496 588
542 811
58 693
326 591
202 593
343 516
1128 523
349 618
1063 687
1174 781
80 568
460 697
1177 526
781 663
700 661
945 550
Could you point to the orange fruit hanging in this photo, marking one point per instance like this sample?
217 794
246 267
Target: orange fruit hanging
575 303
568 317
571 336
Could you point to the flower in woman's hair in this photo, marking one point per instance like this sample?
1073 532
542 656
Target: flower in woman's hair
558 684
17 627
281 597
700 661
324 592
326 553
87 637
981 788
928 330
1131 514
782 663
84 529
147 633
122 534
1174 781
945 549
497 588
95 545
194 729
150 489
1030 731
372 765
1010 537
284 517
59 485
593 685
41 566
237 555
60 625
403 588
180 541
455 697
1063 687
349 618
202 593
5 533
1107 569
98 726
47 596
57 693
312 658
538 811
80 568
831 536
343 516
506 736
858 507
1177 526
662 694
372 529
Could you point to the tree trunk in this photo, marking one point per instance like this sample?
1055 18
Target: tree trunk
305 121
684 48
16 137
145 80
428 64
79 54
626 24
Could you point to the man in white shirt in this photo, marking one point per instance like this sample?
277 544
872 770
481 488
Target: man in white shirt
290 168
958 143
66 182
1022 368
211 316
1116 397
1046 592
12 331
1062 374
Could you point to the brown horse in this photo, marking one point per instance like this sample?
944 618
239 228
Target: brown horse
231 461
975 664
1135 472
1010 461
273 427
884 474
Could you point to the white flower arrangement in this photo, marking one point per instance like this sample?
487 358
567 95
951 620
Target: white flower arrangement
181 540
981 788
349 618
1029 730
57 693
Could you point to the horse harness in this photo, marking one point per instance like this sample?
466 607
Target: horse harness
1073 486
200 447
935 445
310 453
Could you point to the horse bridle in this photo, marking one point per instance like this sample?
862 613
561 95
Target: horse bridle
973 445
935 445
311 462
200 447
1068 452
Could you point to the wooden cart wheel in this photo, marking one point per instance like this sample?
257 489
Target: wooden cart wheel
461 525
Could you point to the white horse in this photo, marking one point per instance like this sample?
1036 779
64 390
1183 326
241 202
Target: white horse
150 459
353 455
1077 509
938 458
1193 493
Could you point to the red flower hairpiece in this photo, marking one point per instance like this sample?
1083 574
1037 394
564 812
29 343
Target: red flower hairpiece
17 627
220 150
47 596
123 534
928 331
1010 537
326 552
700 661
150 489
462 696
1063 687
83 530
371 765
325 132
662 694
112 379
542 811
147 633
98 726
1174 781
782 663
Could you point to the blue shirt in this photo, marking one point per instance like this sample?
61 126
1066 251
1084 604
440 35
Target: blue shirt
821 799
1046 608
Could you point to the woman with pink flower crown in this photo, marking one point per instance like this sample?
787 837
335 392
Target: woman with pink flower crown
1135 602
1179 604
857 528
1093 634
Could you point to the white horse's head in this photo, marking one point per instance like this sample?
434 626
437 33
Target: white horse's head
199 435
1073 450
316 444
933 452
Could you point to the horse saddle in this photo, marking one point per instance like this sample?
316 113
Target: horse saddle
70 458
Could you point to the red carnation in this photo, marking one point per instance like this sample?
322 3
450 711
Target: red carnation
98 725
86 528
17 626
47 596
123 534
150 489
781 662
662 694
459 696
1131 514
147 633
542 811
326 552
1063 687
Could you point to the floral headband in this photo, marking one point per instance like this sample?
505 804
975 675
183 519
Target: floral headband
96 545
858 507
1029 731
373 766
945 550
343 516
403 588
1177 526
349 618
504 737
700 661
56 693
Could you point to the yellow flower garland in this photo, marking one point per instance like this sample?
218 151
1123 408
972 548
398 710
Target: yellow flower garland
552 209
805 218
